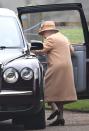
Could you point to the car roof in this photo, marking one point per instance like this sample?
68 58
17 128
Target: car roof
7 12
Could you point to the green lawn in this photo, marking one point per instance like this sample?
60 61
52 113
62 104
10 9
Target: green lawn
80 105
75 35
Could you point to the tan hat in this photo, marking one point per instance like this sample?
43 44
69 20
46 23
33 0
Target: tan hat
47 26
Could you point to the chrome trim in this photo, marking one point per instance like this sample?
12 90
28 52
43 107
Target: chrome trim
41 100
12 93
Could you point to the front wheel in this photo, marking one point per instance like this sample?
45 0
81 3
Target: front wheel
36 121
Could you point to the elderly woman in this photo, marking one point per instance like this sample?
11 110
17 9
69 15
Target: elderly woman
59 80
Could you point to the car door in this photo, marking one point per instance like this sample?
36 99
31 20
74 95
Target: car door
70 20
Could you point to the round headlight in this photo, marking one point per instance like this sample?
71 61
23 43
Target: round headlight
10 75
26 73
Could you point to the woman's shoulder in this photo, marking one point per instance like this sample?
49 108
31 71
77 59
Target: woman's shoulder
52 37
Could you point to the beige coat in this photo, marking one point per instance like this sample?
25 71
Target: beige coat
59 80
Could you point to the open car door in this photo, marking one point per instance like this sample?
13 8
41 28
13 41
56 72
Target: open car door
70 21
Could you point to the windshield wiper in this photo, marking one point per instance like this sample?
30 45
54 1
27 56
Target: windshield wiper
9 47
2 47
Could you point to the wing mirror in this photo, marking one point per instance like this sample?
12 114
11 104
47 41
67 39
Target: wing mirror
36 45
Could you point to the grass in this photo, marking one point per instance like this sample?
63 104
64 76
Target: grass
80 105
75 35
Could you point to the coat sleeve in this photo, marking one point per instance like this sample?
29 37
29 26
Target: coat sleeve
48 45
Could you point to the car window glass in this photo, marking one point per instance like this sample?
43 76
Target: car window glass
10 34
68 23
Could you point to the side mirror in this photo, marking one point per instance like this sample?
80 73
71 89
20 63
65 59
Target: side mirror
36 45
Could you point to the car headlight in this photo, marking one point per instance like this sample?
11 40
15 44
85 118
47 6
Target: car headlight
26 73
10 75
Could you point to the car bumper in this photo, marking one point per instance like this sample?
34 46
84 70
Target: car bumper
10 93
22 99
8 97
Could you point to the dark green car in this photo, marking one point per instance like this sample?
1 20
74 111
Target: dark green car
21 75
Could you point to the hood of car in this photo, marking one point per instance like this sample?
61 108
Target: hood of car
9 54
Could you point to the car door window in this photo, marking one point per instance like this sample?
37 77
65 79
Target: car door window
68 23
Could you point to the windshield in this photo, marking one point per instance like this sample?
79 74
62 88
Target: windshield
10 34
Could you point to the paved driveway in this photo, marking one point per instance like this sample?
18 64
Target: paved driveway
74 122
74 118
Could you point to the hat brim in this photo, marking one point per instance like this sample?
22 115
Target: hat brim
42 31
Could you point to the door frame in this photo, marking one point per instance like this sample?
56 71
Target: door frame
63 7
58 7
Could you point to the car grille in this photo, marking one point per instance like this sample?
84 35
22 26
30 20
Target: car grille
15 108
20 85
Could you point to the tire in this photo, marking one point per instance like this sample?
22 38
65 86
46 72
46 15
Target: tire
36 121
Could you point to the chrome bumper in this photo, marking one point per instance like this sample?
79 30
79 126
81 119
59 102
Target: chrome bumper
14 93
